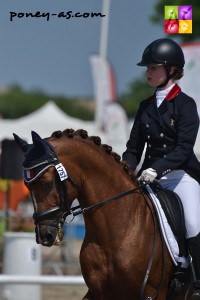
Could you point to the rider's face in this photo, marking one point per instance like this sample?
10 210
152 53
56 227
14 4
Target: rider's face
155 75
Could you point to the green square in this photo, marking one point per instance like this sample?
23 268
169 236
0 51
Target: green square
171 12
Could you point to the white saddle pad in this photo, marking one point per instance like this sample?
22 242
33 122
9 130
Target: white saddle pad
168 235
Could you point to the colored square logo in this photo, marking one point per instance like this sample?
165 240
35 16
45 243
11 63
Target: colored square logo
178 19
185 12
185 26
171 12
171 26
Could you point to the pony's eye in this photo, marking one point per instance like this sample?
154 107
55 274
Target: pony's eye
48 186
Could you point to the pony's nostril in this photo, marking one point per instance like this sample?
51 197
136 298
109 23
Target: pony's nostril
48 241
49 237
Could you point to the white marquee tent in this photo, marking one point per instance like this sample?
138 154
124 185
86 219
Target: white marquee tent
50 118
44 121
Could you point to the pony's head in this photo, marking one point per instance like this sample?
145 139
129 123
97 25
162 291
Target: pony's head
45 178
90 163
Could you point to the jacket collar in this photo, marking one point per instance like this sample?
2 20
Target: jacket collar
172 93
155 112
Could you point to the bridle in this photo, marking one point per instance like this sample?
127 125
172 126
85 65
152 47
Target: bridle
57 214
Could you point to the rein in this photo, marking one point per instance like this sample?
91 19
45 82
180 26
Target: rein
152 256
99 204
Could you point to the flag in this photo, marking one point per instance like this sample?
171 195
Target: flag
103 78
115 123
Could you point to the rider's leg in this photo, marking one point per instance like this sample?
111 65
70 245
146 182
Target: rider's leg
188 190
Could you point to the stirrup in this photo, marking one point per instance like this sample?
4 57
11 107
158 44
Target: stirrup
196 295
195 285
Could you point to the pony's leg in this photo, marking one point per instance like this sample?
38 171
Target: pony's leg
94 270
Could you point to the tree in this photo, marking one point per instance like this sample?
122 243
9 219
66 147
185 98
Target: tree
138 91
16 102
158 17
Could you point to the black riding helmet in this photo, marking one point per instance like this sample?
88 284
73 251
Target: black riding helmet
163 52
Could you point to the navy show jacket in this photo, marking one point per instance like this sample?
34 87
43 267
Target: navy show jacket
169 133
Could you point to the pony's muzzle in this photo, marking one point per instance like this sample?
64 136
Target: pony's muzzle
46 235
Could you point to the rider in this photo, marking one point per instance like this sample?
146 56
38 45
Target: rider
167 123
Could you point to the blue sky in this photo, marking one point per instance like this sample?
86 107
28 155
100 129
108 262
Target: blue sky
53 55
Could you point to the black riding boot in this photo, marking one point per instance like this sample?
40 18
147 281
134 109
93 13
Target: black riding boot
194 248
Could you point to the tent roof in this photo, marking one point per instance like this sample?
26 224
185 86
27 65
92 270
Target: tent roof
44 121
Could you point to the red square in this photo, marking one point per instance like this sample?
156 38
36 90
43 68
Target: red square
171 26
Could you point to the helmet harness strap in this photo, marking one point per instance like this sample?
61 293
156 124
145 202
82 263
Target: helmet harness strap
168 77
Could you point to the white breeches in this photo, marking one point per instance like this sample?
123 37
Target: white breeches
188 189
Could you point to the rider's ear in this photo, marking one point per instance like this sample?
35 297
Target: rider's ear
21 143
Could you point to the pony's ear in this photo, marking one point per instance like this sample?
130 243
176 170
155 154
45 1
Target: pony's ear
35 137
21 143
38 141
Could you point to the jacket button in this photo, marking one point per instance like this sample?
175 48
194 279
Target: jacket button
164 146
161 135
147 125
148 136
149 145
149 156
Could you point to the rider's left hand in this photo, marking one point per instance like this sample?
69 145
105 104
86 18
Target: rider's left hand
148 175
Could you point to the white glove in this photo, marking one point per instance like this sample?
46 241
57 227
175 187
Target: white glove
148 175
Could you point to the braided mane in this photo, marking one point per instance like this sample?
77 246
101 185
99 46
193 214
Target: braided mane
71 133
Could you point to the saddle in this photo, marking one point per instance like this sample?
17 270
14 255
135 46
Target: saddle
173 209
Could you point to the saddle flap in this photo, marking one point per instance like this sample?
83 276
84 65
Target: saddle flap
173 209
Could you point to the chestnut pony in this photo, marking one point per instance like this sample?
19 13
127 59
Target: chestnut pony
123 256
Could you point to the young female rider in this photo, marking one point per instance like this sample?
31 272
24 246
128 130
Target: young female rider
167 123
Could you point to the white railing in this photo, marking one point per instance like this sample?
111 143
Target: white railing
43 279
